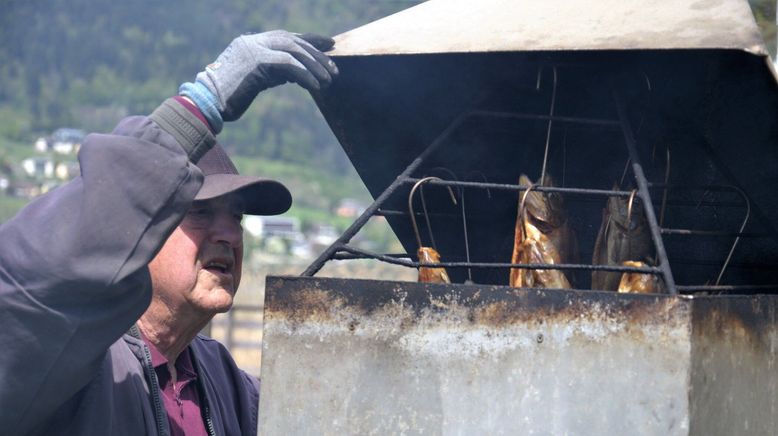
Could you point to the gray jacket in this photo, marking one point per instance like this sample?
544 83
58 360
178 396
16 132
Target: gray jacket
73 281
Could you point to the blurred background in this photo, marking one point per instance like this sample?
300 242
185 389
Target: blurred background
68 67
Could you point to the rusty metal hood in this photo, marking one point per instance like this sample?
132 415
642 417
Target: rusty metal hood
466 26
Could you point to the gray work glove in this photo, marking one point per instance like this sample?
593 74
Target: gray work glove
253 63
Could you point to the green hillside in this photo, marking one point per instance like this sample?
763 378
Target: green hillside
87 63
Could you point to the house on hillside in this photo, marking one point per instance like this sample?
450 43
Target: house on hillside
24 189
47 168
64 140
350 208
38 167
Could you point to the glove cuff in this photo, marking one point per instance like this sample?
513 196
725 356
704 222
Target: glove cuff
205 101
190 133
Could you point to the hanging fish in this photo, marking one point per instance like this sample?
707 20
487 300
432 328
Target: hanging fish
542 235
428 274
623 237
638 283
427 254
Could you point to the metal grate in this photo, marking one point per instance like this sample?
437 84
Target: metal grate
728 197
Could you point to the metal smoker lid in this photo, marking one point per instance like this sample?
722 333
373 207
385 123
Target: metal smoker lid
465 26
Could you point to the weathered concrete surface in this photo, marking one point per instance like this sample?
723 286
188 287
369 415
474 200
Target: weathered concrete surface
376 357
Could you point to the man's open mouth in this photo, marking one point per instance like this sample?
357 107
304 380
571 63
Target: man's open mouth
217 266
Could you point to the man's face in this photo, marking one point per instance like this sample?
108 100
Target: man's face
199 267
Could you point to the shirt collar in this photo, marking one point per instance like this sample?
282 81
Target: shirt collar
183 362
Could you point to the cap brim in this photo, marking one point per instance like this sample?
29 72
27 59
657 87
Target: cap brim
261 196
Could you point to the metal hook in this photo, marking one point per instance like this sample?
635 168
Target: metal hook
424 203
424 206
629 208
450 174
524 198
629 219
483 177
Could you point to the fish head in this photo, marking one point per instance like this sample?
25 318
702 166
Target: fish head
618 211
545 210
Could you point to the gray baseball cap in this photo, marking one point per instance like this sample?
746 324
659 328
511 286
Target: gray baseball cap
262 196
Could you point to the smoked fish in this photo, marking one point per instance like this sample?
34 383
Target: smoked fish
623 237
542 235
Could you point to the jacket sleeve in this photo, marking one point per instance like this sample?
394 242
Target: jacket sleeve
73 275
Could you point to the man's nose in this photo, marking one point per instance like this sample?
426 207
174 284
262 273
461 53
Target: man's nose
226 228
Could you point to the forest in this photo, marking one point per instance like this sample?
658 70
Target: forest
87 63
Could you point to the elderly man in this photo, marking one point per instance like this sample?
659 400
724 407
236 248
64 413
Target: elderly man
106 281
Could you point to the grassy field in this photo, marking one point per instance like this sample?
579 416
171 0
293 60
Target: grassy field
9 206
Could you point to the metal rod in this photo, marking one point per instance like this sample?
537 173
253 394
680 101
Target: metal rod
664 192
577 191
352 253
461 192
726 288
464 229
697 204
360 222
561 266
738 265
382 257
645 197
713 188
548 130
544 266
394 212
624 173
689 232
536 117
538 188
737 238
354 256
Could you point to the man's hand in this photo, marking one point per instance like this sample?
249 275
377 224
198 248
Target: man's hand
253 63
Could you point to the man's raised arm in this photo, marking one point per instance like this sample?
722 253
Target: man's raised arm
73 263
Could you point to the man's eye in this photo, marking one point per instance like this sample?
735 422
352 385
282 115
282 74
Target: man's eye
198 212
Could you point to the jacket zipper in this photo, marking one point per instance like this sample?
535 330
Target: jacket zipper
208 421
205 407
154 389
148 368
